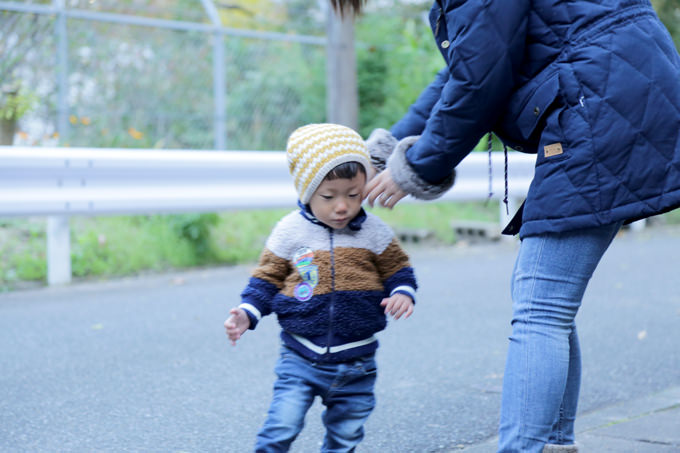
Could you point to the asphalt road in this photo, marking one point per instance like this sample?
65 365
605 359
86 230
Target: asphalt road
143 364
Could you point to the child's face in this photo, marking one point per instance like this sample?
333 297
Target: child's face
337 201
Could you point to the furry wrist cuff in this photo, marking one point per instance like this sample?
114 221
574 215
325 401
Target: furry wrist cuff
407 179
380 145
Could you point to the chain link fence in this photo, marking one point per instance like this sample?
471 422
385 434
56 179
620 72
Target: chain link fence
98 76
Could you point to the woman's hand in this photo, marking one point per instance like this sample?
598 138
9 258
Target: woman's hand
383 188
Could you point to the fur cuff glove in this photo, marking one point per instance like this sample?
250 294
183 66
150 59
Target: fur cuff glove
408 180
380 145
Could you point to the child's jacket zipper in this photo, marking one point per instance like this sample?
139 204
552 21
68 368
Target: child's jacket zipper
331 305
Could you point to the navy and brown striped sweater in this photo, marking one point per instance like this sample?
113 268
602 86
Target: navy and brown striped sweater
326 285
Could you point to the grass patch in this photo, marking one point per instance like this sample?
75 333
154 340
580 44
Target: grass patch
127 245
240 235
23 249
672 218
437 216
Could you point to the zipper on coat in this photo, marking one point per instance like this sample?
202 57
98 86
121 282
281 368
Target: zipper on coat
439 18
331 305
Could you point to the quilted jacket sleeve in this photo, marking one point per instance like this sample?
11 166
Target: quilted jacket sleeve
413 122
483 44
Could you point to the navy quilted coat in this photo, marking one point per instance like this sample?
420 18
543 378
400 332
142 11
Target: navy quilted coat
591 86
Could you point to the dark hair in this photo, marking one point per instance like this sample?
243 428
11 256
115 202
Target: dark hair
348 170
353 6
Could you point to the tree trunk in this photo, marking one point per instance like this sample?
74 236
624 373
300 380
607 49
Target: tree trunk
7 130
342 98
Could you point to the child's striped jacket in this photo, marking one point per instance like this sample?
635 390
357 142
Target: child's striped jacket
326 285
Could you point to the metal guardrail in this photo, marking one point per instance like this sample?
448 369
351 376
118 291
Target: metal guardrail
62 182
96 181
65 181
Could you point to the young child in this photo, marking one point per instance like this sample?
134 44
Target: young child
330 272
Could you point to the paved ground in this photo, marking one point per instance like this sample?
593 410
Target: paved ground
143 365
648 424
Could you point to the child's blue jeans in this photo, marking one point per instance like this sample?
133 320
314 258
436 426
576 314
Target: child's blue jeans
543 368
346 389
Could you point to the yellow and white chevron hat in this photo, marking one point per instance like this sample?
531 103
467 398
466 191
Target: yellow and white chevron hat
316 149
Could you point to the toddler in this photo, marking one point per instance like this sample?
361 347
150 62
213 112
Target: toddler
331 272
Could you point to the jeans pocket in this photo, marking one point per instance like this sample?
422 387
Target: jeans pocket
367 366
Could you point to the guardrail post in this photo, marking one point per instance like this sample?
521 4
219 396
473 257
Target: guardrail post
638 225
58 250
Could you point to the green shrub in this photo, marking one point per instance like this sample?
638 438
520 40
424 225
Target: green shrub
195 228
14 103
28 266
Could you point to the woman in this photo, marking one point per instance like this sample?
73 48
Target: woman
593 89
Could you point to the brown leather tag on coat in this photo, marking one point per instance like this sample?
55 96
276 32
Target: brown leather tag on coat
553 149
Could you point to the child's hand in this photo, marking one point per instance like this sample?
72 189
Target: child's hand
397 305
236 324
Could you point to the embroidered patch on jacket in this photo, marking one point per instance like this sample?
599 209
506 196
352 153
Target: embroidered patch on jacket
303 292
553 149
303 257
308 272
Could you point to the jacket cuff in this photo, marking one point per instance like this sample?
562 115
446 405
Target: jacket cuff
380 145
408 180
407 290
253 314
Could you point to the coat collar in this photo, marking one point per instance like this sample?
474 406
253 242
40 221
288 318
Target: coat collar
354 224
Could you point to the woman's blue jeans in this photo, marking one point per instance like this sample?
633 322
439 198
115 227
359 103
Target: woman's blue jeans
543 367
346 389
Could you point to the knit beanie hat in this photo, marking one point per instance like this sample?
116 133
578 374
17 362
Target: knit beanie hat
316 149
